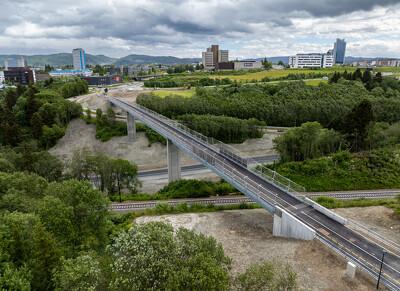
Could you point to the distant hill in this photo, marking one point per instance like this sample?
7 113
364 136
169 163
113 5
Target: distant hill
144 59
57 60
274 60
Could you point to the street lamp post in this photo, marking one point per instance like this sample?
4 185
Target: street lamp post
380 270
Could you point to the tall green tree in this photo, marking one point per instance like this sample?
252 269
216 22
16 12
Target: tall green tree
11 98
36 125
45 257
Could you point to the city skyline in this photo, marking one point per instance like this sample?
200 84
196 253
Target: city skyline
184 28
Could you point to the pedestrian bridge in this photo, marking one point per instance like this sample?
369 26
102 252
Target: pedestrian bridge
294 215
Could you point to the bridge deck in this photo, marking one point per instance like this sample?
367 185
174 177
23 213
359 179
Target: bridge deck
350 244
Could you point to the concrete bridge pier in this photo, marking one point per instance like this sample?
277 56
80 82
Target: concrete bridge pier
174 162
286 225
131 125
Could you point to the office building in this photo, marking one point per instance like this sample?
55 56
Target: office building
15 63
69 73
79 62
103 80
79 59
311 61
339 51
22 76
387 63
320 60
214 55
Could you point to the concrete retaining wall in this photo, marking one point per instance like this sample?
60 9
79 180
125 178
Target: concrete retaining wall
286 225
326 211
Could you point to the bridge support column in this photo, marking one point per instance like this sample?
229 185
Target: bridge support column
131 124
286 225
174 162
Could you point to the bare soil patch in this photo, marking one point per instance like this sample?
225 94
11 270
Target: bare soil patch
246 236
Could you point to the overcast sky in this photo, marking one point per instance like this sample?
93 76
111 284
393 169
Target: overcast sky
184 28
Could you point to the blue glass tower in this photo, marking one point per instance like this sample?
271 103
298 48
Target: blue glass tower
339 50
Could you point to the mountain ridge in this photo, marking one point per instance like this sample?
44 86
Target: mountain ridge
62 59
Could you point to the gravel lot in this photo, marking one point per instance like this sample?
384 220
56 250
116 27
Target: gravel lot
246 236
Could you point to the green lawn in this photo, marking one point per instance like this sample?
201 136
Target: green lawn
316 82
281 73
164 93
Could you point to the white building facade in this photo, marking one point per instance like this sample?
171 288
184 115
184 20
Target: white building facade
79 59
311 61
2 77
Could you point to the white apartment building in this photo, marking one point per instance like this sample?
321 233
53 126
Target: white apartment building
208 60
223 56
2 79
311 61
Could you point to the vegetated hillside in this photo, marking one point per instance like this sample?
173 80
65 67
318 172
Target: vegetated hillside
377 169
144 59
62 59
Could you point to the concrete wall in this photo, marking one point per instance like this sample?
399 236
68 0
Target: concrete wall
326 211
286 225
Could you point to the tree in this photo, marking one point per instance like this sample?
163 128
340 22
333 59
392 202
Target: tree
81 273
89 114
124 176
267 276
48 68
36 125
280 63
11 98
12 134
154 256
47 115
76 214
45 257
366 77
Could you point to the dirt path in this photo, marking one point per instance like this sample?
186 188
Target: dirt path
246 236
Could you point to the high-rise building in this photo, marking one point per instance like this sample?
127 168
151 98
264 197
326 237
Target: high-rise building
15 63
339 51
79 59
214 55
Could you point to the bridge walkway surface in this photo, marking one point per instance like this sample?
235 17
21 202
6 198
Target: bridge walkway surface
362 251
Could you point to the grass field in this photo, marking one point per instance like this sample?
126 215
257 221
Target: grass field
164 93
281 73
316 82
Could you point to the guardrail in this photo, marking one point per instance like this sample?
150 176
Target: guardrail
234 155
380 238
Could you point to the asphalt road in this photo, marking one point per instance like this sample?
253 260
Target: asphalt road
352 245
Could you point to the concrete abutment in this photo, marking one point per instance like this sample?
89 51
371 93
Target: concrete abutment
286 225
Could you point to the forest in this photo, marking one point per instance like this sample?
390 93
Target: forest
283 104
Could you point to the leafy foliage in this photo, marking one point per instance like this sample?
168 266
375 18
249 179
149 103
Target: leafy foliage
224 128
376 169
154 256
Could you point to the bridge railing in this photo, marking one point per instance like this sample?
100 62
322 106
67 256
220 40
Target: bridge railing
234 155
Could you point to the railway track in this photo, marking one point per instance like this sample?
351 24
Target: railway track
135 206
